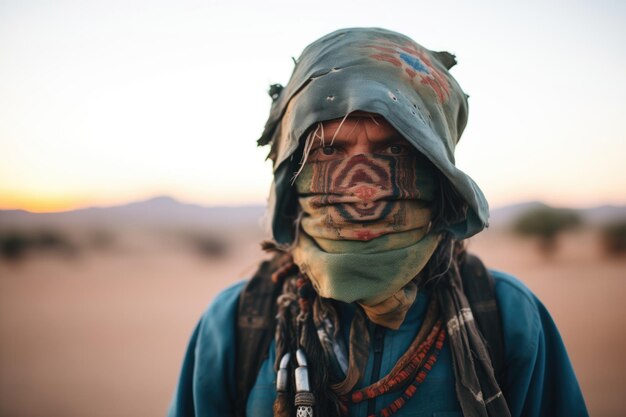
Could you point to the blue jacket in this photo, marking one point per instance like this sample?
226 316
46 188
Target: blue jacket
539 379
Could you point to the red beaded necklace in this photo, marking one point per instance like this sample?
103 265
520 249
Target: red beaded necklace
413 366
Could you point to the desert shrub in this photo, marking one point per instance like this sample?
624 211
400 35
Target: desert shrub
15 244
208 245
613 238
546 223
101 239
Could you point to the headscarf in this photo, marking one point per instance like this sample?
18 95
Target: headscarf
382 72
377 71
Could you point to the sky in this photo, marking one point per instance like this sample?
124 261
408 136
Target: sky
106 102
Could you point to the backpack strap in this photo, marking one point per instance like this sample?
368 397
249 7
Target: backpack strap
479 287
256 320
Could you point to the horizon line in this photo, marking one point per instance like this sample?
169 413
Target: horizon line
177 200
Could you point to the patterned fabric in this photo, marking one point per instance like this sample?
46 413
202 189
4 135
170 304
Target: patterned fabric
477 390
414 60
365 230
364 197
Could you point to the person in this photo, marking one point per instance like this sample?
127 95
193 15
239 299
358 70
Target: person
373 314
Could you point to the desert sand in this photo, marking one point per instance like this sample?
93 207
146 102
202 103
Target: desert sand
103 333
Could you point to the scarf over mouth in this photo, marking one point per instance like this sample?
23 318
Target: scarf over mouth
365 230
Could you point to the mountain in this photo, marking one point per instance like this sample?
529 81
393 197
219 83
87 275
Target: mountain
167 212
594 216
604 214
155 212
503 216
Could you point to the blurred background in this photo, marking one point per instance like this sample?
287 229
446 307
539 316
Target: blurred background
132 191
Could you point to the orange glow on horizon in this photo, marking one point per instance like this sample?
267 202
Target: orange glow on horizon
42 204
39 203
50 203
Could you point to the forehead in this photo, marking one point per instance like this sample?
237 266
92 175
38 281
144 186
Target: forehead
360 124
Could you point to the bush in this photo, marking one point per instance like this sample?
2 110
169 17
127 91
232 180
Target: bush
208 245
546 223
613 238
15 244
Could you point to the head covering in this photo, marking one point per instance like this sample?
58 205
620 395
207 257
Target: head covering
377 71
382 72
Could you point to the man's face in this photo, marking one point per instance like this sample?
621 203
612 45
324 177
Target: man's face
360 133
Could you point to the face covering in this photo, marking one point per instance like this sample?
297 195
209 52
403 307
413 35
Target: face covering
365 230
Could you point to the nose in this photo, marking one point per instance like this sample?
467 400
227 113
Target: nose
360 145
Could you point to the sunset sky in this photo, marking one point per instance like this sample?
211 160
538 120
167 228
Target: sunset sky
105 102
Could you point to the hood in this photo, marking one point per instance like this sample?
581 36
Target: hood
377 71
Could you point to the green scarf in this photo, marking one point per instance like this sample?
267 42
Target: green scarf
365 230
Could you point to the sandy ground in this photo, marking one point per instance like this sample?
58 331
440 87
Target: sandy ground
104 334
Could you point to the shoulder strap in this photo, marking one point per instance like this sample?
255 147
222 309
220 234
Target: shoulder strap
479 287
255 330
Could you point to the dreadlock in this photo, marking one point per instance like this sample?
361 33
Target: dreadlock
295 328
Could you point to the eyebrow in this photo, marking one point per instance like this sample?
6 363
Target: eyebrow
393 138
383 140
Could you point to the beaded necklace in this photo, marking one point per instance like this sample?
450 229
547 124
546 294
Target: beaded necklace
410 371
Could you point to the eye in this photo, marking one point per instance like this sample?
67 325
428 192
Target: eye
326 153
398 149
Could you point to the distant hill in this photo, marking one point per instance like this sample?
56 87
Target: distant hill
168 212
155 212
504 216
